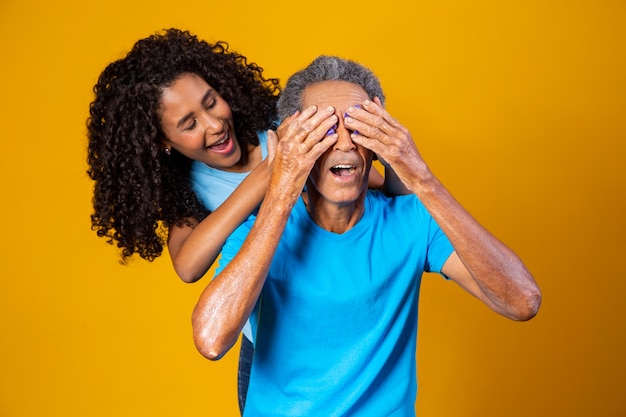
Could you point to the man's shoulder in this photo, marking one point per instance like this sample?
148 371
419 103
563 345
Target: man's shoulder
407 207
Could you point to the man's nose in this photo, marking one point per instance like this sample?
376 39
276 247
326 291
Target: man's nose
344 142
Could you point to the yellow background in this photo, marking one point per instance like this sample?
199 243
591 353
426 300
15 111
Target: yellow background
519 107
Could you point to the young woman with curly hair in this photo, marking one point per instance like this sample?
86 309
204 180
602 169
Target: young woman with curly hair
141 160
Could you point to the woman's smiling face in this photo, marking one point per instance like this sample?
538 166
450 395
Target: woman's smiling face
198 123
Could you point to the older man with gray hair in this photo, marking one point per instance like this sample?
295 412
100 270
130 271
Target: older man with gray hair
329 277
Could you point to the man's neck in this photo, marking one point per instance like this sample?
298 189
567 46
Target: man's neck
336 218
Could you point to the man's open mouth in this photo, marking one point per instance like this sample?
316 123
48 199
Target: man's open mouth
343 170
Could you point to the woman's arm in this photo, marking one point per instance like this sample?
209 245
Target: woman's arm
193 249
389 184
375 181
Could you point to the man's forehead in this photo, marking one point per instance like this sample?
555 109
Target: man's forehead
338 94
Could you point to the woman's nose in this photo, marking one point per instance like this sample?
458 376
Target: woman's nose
212 124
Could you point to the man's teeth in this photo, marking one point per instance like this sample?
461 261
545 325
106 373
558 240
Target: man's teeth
342 170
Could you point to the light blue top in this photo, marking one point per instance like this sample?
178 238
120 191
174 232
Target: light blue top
213 186
336 323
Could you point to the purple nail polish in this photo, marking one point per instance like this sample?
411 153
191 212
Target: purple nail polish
332 130
358 106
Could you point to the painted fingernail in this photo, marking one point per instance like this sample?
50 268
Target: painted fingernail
332 130
357 106
348 121
351 109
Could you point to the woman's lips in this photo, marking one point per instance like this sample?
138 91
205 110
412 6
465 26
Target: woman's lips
222 146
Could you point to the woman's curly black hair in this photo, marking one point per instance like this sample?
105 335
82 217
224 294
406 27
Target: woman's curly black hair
139 191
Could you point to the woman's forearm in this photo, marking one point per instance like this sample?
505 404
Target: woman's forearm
194 249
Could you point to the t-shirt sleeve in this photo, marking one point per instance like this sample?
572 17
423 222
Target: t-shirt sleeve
439 247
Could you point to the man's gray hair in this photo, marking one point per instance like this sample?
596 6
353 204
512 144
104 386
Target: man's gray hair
326 68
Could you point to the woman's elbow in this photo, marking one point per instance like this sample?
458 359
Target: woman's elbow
188 278
186 274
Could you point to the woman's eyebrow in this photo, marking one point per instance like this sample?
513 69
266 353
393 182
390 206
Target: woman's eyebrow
207 96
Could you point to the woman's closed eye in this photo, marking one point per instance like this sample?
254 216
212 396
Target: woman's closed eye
192 124
210 104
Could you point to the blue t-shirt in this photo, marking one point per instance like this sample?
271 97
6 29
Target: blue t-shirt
336 322
213 186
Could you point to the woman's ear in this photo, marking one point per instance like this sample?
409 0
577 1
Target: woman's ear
165 147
